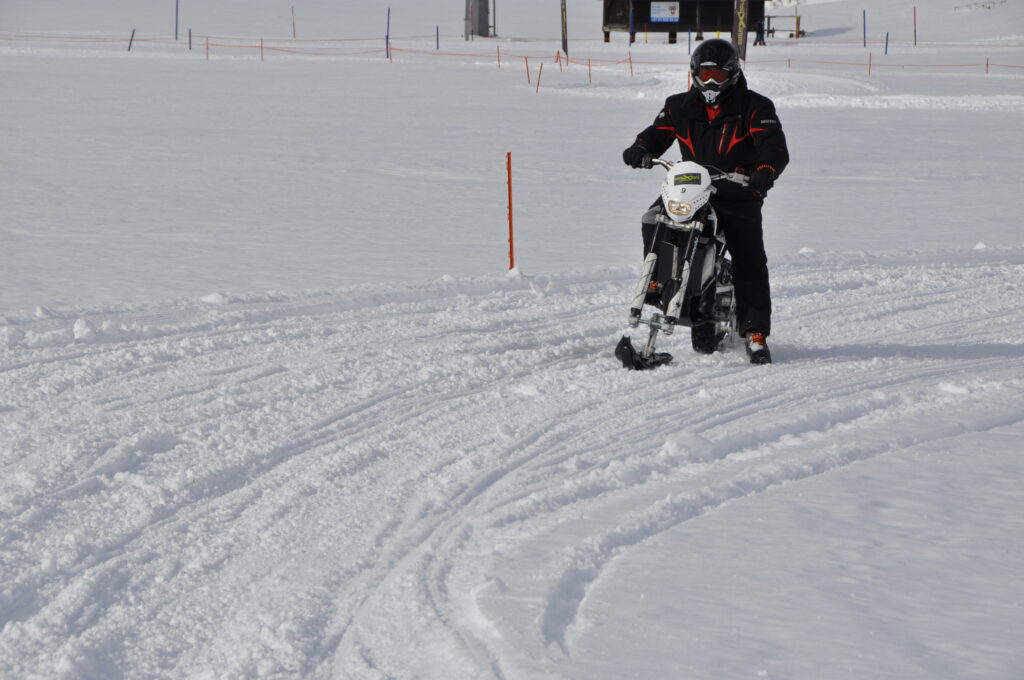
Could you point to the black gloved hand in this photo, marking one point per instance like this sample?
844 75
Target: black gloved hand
762 180
637 156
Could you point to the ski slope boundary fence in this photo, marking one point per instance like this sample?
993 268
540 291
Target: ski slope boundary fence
208 46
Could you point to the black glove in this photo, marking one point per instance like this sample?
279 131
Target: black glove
762 180
637 156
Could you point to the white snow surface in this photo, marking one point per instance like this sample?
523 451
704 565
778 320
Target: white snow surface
271 406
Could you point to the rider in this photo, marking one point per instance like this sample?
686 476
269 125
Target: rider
722 124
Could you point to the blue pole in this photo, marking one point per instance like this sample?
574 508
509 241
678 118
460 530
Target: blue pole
865 28
131 40
176 2
887 42
387 37
190 40
437 31
689 41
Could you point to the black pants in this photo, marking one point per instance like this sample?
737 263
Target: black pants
744 239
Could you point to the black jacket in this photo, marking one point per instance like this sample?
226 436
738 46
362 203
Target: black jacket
745 135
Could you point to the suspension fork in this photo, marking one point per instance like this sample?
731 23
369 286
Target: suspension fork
675 306
644 283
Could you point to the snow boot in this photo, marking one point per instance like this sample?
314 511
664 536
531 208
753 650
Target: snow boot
757 349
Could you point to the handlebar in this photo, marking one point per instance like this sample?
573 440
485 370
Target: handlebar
736 177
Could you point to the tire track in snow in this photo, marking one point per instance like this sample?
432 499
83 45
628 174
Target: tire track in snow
586 563
835 415
405 464
290 453
895 379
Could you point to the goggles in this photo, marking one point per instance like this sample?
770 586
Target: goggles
710 73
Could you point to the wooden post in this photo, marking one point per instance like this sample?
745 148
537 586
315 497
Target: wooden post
293 23
207 48
590 78
565 29
540 72
630 64
511 230
499 56
261 49
986 64
870 54
526 60
915 25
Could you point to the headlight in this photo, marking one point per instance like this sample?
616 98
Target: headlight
678 208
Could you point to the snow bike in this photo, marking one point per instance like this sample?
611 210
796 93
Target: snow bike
686 277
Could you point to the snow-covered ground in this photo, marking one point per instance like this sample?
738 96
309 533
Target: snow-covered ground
270 406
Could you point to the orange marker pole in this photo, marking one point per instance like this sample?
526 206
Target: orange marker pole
540 72
511 231
526 60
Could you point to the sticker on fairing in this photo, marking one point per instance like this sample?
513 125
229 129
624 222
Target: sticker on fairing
687 179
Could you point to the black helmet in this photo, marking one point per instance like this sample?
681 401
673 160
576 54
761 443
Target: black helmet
715 67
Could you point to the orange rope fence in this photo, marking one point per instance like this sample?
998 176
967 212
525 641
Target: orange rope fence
330 47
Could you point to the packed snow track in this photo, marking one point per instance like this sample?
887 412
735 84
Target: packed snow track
433 482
